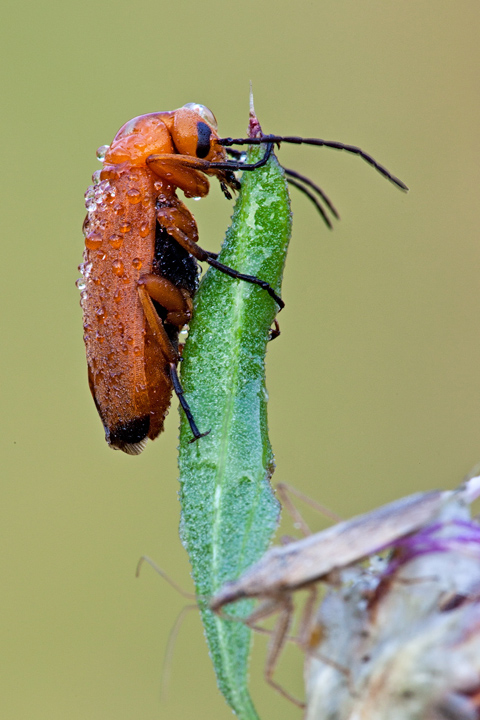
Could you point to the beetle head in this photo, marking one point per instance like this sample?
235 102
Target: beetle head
194 133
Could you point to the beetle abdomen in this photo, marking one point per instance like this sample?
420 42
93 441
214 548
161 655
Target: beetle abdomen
121 355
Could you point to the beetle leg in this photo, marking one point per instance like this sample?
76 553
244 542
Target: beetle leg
181 171
206 166
186 172
156 325
176 216
175 300
177 225
275 331
186 407
179 305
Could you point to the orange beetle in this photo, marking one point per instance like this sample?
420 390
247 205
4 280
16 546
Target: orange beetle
139 272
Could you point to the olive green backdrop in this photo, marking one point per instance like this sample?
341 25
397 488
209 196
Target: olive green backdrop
374 383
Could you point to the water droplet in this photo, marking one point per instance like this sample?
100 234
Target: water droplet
137 263
144 229
124 349
118 208
93 241
137 350
90 199
125 227
85 269
117 296
115 241
103 187
110 174
81 284
96 177
196 198
101 314
121 328
134 195
118 267
102 151
130 340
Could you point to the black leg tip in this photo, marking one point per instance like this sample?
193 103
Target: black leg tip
200 435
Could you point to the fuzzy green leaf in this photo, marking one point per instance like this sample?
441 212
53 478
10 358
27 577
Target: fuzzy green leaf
229 512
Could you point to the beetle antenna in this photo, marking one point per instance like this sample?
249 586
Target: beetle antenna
315 187
240 155
277 139
306 181
236 153
314 200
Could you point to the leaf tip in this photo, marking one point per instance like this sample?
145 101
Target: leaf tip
254 128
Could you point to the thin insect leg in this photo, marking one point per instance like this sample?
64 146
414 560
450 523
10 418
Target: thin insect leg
278 637
294 513
163 574
265 611
186 408
313 186
345 671
277 644
308 635
312 197
284 490
247 278
319 143
172 637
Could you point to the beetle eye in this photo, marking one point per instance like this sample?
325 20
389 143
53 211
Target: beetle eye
204 133
204 113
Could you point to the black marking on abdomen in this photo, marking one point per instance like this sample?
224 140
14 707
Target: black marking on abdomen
174 263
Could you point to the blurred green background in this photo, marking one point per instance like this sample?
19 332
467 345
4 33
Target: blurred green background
374 383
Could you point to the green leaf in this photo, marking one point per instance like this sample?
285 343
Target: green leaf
229 512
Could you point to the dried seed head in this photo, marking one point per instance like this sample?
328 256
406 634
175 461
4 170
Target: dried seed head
400 639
